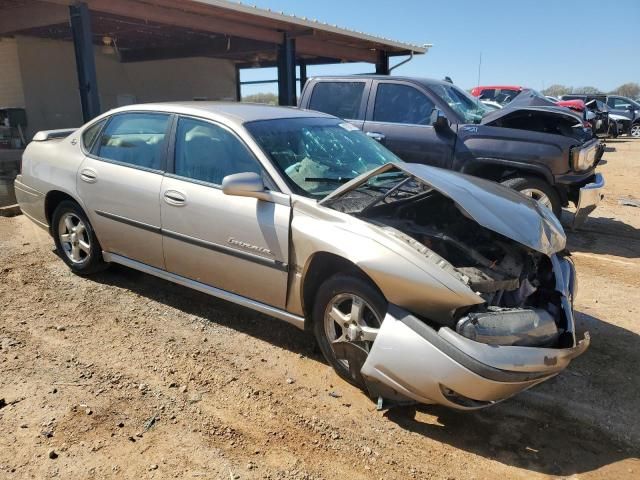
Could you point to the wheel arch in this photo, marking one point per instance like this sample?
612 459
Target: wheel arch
52 199
497 169
319 267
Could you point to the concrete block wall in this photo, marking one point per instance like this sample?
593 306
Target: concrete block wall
11 91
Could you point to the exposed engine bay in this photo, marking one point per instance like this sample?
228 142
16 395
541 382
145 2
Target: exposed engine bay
521 304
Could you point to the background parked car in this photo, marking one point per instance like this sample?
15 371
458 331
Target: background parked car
501 94
618 105
530 145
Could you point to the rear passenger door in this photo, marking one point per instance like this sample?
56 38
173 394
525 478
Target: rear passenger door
399 115
238 244
119 182
343 98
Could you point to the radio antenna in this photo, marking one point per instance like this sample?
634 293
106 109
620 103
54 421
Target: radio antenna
478 84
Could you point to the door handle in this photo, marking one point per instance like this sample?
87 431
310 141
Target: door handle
175 198
378 137
89 175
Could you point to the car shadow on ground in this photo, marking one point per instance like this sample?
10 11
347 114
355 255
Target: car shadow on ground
211 309
568 425
607 236
516 435
517 432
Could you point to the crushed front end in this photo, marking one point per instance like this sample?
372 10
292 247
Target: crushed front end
510 253
491 354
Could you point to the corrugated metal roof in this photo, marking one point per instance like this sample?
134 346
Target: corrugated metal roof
313 24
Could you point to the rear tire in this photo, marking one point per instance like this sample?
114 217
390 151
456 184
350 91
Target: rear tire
538 189
340 291
75 239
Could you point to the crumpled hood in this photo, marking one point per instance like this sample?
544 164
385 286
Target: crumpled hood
528 100
490 204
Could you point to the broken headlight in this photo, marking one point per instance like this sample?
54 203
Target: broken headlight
499 326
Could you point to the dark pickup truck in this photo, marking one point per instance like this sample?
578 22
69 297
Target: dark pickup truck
531 145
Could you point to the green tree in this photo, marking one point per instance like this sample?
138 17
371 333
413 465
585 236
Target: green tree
587 90
557 90
631 90
263 97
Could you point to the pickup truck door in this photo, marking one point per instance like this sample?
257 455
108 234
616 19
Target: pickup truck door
399 116
237 244
119 183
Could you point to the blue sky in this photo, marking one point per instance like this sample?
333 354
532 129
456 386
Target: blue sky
523 42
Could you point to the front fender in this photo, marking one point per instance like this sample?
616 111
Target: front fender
477 165
404 276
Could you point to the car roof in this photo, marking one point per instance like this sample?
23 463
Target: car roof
499 87
234 112
420 80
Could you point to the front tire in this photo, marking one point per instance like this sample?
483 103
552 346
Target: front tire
537 189
75 239
635 130
348 309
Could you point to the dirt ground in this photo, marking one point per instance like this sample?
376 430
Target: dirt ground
126 376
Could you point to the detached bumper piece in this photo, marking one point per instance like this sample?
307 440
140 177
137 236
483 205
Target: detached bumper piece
411 361
589 198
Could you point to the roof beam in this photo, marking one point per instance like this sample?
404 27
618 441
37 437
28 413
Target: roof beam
220 48
33 16
306 45
179 18
320 48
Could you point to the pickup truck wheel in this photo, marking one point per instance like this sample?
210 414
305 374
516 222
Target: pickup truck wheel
538 190
75 239
347 314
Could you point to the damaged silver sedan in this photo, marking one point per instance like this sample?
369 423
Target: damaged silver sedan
419 284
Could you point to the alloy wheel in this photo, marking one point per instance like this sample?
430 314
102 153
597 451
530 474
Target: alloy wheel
74 238
349 318
635 131
539 196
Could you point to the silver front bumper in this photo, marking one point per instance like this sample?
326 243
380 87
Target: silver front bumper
590 196
411 361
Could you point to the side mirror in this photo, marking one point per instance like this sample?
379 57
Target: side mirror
438 120
630 108
246 184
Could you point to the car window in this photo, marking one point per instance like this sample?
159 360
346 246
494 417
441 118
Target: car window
137 139
488 94
208 152
90 134
397 103
619 103
506 95
342 99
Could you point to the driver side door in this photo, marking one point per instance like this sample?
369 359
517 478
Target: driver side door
399 116
234 243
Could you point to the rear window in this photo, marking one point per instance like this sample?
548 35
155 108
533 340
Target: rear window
90 134
342 99
137 139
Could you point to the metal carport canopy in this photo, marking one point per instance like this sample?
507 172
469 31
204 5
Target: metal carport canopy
160 29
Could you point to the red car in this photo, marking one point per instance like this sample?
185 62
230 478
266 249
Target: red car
503 94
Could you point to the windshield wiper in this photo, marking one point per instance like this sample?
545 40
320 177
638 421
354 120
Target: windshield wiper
396 188
328 179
